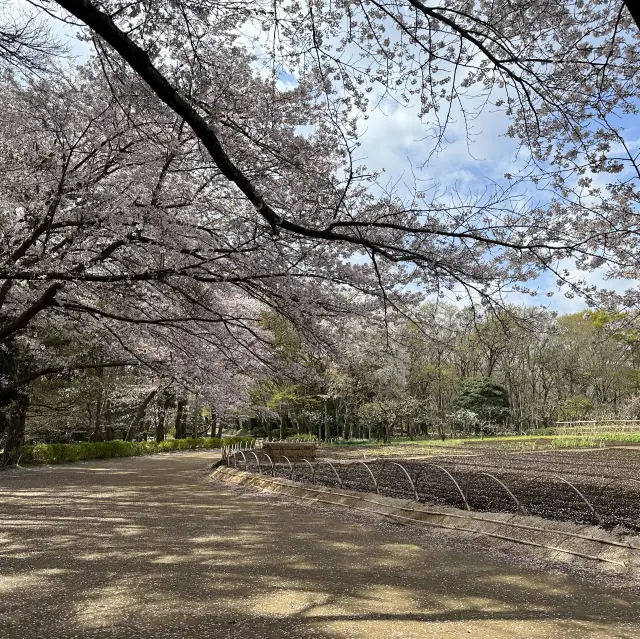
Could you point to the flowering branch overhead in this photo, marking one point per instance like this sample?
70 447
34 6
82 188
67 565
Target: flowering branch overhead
163 195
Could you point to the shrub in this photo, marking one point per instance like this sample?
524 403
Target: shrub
65 453
302 437
575 408
484 397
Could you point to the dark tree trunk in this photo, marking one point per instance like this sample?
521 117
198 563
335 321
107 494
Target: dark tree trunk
196 418
162 417
96 434
220 427
132 433
214 420
14 444
180 419
106 417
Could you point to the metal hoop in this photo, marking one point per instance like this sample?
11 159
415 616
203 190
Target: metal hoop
271 462
522 508
288 462
335 472
451 477
302 460
584 499
407 475
616 480
257 460
373 478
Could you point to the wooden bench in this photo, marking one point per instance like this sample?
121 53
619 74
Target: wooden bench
290 450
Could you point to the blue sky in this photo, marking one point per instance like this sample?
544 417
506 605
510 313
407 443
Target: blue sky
393 142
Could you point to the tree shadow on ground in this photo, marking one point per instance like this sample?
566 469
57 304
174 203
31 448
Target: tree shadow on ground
148 547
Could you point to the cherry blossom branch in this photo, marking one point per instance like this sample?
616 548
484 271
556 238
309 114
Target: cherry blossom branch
140 62
57 370
634 10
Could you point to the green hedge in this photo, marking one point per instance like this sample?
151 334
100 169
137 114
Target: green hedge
302 437
63 453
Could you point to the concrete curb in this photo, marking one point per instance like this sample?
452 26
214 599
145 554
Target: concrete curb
561 541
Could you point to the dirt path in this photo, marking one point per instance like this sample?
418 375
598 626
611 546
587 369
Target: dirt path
149 547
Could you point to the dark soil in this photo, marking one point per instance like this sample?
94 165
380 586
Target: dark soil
609 481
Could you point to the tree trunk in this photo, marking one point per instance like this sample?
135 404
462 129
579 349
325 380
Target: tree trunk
195 425
162 417
132 432
180 419
96 434
220 427
214 420
14 445
345 417
107 413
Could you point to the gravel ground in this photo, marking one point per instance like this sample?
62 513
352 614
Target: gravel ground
150 547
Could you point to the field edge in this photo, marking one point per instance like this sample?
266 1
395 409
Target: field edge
563 542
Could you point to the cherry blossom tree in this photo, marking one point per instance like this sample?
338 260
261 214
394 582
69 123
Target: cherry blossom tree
157 199
561 83
562 73
135 252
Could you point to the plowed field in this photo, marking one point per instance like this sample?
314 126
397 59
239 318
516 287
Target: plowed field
592 486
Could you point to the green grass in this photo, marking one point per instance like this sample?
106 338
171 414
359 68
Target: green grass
357 442
64 453
594 441
518 442
435 442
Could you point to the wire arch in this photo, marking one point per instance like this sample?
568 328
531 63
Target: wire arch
584 499
257 460
451 477
373 477
244 458
271 462
288 461
302 460
407 475
515 499
328 463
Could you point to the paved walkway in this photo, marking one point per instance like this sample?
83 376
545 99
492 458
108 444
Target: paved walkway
149 547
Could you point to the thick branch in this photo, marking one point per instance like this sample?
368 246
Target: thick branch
56 370
634 10
46 300
139 61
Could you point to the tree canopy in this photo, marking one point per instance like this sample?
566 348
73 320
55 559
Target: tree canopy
486 399
199 169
